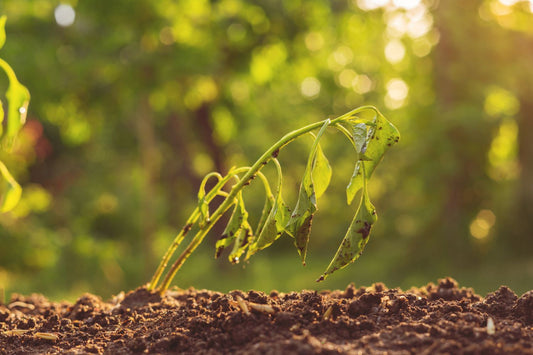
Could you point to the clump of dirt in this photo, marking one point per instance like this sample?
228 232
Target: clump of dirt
434 319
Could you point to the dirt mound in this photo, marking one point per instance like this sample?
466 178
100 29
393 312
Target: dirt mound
434 319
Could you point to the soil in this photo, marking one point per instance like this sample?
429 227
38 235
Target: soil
434 319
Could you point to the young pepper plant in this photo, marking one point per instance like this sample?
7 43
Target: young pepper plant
368 132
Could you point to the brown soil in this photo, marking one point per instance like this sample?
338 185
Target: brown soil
434 319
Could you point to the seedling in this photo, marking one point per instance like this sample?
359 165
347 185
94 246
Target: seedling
369 133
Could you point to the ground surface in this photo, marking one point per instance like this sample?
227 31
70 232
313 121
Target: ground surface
433 319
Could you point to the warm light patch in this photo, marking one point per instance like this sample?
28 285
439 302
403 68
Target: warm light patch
166 36
500 102
397 91
482 224
64 15
314 41
343 55
369 5
346 78
406 4
394 51
310 87
362 84
503 164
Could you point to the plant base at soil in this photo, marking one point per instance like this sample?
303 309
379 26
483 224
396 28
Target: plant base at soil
433 319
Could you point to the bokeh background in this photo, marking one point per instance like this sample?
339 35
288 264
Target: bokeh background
133 102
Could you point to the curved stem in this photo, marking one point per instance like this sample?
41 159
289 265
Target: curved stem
344 131
8 70
193 218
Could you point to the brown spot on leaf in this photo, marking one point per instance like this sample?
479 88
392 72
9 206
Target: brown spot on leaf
365 230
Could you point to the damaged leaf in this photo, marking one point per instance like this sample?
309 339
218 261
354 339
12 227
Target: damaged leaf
316 179
10 190
356 237
238 220
274 225
378 138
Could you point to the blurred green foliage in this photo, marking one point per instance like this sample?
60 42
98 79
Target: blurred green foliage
133 102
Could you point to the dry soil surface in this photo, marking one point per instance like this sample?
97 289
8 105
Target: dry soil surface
434 319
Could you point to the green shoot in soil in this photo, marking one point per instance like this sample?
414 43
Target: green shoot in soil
369 133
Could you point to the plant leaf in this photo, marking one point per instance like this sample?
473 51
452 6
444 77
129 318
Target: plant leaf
273 228
238 219
321 172
379 138
356 237
299 224
18 98
10 190
241 243
274 224
359 135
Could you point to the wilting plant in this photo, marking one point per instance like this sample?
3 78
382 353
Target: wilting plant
369 133
18 99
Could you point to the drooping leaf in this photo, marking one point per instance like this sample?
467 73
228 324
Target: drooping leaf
356 237
18 99
359 135
273 228
267 207
10 190
275 221
2 30
238 219
321 173
241 243
378 138
299 224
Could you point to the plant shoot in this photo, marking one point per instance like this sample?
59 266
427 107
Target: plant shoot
367 131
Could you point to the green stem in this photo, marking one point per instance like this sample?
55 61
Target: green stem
193 218
8 70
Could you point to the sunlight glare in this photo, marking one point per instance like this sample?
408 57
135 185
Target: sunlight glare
397 89
406 4
420 27
343 55
394 51
362 84
346 77
508 2
64 15
310 87
482 224
396 25
368 5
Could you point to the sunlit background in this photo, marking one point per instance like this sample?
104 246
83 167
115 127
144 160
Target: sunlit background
134 102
